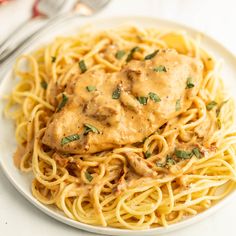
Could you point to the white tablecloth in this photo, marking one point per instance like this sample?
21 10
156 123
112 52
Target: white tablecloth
215 17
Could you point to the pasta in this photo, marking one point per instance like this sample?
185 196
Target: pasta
100 188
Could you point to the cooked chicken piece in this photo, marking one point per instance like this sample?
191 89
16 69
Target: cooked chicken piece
124 107
140 165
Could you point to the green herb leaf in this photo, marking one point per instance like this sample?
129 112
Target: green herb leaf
183 154
142 100
177 105
116 93
130 56
44 84
53 59
120 54
147 154
211 105
82 66
219 107
69 139
88 176
63 102
90 88
150 56
189 83
196 152
90 128
154 97
170 161
160 69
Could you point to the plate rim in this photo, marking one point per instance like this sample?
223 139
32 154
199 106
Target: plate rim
109 230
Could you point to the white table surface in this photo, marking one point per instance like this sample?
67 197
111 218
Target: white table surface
215 17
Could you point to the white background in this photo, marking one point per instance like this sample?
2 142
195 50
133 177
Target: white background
214 17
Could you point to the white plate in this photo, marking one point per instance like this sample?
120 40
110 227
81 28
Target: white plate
22 182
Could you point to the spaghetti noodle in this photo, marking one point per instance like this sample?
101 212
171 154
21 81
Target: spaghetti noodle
101 188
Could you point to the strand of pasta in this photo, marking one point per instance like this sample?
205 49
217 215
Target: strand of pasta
108 199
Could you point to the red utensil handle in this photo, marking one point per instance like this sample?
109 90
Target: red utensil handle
3 1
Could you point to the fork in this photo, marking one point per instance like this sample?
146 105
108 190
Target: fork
49 8
82 7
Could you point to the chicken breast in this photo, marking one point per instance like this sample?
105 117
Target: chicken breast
108 110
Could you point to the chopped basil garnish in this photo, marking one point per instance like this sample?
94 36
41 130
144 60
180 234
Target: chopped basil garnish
44 84
116 93
147 154
183 154
154 97
69 139
130 56
219 107
211 105
150 56
63 102
170 161
196 152
88 176
160 69
53 59
189 83
177 105
82 66
142 100
120 54
90 88
90 128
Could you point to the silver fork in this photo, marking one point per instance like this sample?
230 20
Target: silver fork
82 7
49 8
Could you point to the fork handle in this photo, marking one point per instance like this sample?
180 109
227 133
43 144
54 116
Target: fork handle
9 49
10 38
